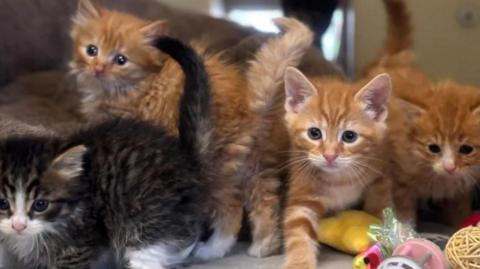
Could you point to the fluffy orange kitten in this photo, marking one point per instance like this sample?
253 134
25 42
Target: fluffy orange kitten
336 132
112 54
434 131
119 74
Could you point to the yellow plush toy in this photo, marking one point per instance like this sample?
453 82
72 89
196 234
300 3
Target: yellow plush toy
347 231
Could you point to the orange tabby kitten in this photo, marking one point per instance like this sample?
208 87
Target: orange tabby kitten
119 74
433 129
336 132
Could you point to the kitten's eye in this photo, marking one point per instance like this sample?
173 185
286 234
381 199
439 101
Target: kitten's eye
40 205
4 204
120 59
434 148
314 133
465 149
92 50
349 136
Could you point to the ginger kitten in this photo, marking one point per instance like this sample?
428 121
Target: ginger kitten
434 140
336 132
120 75
433 129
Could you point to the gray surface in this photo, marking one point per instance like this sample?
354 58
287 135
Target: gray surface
328 259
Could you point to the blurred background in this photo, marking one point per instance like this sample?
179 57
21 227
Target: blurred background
351 32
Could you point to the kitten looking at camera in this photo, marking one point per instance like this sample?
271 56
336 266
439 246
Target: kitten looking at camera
337 136
119 75
123 185
434 132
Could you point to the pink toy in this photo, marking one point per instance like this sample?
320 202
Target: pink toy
369 259
418 254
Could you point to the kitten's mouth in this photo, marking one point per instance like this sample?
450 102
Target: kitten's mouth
330 167
112 86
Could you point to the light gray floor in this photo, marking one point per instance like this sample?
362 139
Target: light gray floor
328 259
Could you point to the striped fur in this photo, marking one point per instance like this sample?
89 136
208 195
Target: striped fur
123 185
425 112
265 77
238 107
318 185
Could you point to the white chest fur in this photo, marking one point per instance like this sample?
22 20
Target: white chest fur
340 197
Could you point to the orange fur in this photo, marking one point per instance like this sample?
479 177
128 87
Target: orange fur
153 94
441 113
318 186
149 87
422 113
265 76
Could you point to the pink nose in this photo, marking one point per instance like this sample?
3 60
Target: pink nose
19 226
330 157
450 168
99 70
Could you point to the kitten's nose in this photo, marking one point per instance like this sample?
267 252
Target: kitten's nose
330 157
99 69
450 168
19 226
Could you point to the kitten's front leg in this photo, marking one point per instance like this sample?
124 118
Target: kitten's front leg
405 203
378 196
265 213
300 233
228 199
455 210
76 258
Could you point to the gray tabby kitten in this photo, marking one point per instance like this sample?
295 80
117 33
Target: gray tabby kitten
122 187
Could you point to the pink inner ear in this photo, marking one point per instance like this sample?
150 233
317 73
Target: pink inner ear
296 98
298 89
376 102
375 95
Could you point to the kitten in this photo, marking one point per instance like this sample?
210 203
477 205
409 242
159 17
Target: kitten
142 86
336 132
123 185
433 129
265 75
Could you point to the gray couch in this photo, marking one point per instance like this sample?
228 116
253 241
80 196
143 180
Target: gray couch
35 33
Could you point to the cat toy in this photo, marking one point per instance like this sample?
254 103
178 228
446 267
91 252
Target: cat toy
347 231
416 254
387 237
463 248
371 258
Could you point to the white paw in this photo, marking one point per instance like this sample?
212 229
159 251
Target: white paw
216 247
157 256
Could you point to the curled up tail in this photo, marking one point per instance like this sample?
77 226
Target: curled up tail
399 30
266 71
194 125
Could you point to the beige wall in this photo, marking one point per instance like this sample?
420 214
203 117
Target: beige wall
443 48
201 6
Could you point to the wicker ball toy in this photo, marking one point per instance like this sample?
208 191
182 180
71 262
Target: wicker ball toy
463 248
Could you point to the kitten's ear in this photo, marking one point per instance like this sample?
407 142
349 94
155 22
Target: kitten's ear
69 164
86 11
374 97
297 89
412 110
155 29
